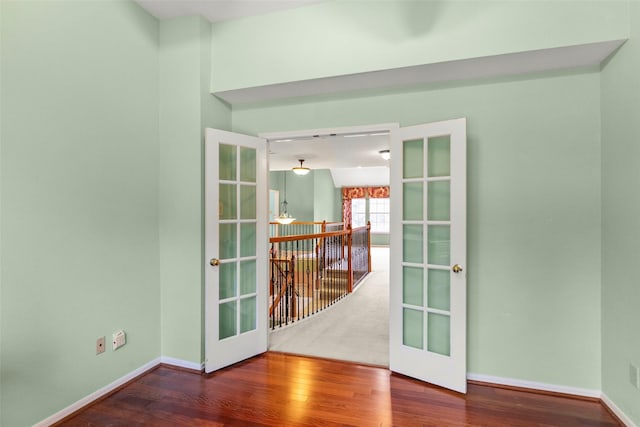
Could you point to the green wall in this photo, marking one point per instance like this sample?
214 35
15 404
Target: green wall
345 36
533 212
79 226
101 159
185 109
312 197
326 197
621 221
299 195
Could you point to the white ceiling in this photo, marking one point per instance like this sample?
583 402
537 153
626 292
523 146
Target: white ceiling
353 160
218 10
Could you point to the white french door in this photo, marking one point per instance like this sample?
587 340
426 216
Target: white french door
236 248
428 253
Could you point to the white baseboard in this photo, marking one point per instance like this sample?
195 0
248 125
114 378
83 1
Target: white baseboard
198 367
181 363
614 408
114 385
585 392
97 394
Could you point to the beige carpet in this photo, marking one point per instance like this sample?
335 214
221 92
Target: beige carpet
354 329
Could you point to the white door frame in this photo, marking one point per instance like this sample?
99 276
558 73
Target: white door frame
392 128
309 133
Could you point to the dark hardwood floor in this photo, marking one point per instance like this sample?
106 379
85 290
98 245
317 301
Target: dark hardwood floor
276 389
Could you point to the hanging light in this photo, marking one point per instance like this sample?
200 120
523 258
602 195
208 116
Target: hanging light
284 217
385 154
300 170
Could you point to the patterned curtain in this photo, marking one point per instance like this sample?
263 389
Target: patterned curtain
378 192
349 193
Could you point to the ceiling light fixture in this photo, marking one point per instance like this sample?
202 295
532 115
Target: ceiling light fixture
300 170
284 217
385 154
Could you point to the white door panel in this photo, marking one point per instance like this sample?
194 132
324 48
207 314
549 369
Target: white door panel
428 243
236 248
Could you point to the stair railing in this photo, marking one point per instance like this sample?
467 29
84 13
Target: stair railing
310 272
359 254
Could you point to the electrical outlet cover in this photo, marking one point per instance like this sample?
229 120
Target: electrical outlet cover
119 339
100 347
634 375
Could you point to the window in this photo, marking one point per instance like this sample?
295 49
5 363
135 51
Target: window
358 212
374 210
379 215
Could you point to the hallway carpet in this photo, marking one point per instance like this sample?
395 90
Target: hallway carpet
354 329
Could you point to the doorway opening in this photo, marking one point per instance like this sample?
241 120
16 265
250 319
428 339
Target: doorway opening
356 328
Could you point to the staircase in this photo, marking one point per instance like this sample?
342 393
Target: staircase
311 272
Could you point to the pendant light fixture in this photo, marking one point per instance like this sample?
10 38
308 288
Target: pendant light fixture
284 217
300 170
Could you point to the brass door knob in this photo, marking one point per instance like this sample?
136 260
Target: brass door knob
456 268
214 262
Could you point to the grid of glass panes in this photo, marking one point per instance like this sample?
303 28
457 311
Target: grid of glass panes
379 215
358 212
237 240
426 223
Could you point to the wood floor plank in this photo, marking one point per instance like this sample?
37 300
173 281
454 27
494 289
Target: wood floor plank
277 389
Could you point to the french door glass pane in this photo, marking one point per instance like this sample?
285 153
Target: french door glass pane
227 241
412 239
247 277
439 197
247 314
247 202
413 286
227 285
439 156
412 201
248 239
227 208
412 328
247 164
438 289
413 157
439 244
227 319
227 162
438 334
